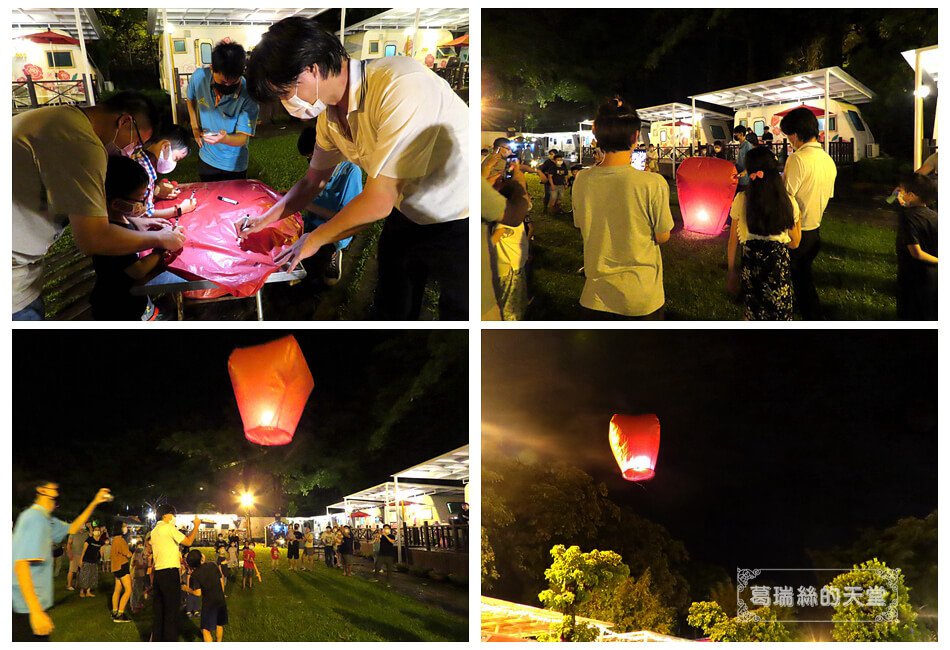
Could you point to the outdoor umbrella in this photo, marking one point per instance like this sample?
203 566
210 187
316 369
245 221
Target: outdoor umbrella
52 38
461 40
819 112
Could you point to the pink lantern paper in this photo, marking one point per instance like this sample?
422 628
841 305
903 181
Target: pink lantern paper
705 187
271 383
635 441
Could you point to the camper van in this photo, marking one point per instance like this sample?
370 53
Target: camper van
378 43
191 47
670 125
844 123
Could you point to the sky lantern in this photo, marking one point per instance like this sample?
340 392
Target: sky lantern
635 441
705 188
271 383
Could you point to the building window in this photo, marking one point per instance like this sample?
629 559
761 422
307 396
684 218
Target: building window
390 50
718 133
203 51
833 123
758 127
662 135
178 45
743 122
59 59
374 47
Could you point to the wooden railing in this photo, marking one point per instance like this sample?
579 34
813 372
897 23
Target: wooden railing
439 537
35 94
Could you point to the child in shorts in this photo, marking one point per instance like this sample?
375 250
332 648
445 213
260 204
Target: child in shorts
249 568
207 582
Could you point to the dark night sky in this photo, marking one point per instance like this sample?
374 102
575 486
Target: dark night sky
128 388
771 442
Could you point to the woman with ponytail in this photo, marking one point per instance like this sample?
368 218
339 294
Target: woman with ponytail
624 216
766 222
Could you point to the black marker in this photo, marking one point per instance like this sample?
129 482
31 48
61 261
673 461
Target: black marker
227 200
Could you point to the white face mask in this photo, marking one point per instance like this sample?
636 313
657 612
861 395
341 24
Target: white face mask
304 110
165 165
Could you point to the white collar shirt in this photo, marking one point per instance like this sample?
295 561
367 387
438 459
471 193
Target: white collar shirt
810 179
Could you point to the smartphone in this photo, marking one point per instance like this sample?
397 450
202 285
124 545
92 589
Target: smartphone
510 163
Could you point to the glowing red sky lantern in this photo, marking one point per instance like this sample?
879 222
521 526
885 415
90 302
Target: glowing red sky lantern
271 383
705 189
635 441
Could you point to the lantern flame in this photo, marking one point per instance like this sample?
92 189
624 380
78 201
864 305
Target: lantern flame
635 441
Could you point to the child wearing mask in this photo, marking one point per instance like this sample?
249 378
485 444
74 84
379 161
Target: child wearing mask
111 299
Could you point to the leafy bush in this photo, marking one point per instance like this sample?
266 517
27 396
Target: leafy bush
419 571
458 581
402 568
435 575
881 170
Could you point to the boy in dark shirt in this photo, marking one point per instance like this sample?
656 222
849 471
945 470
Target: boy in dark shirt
111 299
207 582
558 176
916 250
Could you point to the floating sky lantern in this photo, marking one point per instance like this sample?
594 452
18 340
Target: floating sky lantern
705 187
635 441
271 383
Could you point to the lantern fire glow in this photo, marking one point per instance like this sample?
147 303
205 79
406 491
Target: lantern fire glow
271 383
635 441
705 188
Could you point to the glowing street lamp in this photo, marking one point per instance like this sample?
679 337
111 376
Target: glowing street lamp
247 500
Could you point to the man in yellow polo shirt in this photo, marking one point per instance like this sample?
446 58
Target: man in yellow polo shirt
167 580
405 127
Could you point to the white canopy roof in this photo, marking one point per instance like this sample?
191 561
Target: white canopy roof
929 60
793 88
455 19
666 112
61 19
224 16
450 466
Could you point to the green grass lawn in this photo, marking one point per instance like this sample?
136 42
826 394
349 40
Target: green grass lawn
287 606
855 271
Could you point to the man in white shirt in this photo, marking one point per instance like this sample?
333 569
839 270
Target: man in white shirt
407 129
167 578
810 179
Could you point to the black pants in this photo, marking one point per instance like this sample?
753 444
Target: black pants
209 174
806 296
22 630
329 556
409 256
167 601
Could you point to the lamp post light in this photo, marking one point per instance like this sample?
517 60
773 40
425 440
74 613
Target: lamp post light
247 500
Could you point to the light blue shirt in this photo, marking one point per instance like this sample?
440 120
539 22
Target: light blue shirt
33 537
343 186
236 113
744 148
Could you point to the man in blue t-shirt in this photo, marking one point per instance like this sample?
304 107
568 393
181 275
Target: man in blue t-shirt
223 115
344 185
34 534
744 147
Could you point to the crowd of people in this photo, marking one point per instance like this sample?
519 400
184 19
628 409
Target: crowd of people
161 567
624 217
391 119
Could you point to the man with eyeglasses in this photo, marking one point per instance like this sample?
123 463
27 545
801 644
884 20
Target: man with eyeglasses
59 170
223 115
35 532
405 127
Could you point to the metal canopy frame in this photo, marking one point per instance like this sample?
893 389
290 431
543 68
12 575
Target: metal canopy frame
453 19
922 60
61 19
221 16
668 112
792 88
